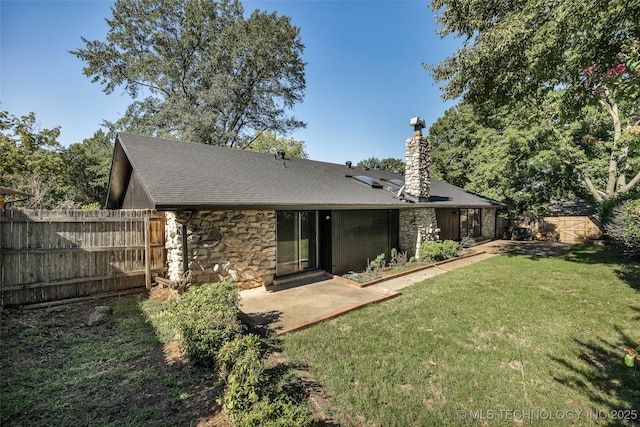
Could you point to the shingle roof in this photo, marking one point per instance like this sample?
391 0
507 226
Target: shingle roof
181 175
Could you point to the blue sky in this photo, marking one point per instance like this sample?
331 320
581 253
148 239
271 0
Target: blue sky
364 70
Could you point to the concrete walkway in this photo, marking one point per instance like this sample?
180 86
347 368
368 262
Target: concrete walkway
301 304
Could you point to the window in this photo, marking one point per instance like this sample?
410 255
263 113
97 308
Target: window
470 223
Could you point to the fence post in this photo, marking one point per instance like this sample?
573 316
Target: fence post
147 253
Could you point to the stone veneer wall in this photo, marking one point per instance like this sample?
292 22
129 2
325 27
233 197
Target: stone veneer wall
417 226
240 244
488 223
417 167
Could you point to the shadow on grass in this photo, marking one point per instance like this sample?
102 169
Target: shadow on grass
628 271
117 373
533 249
599 372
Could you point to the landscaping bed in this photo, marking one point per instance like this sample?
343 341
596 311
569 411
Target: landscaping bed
364 279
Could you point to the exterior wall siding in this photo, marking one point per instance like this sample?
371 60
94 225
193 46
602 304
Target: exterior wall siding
236 243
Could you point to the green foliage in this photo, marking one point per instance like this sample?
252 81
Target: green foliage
210 73
268 142
501 155
624 226
388 164
375 265
398 259
206 317
570 65
88 166
438 251
279 412
31 161
242 361
253 397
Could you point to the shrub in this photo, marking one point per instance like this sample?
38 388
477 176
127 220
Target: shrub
377 264
252 396
398 259
438 251
280 412
243 371
206 317
624 226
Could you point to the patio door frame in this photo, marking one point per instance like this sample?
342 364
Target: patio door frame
303 256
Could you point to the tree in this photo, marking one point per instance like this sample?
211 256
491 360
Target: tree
501 156
31 160
87 167
388 164
268 142
199 70
533 53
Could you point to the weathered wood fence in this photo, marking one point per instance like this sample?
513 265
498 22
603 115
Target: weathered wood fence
59 254
566 229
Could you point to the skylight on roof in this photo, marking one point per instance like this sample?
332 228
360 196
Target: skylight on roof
368 180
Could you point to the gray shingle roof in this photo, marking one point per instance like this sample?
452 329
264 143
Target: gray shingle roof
181 175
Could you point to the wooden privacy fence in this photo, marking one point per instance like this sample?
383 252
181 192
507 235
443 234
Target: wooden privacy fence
566 229
570 229
59 254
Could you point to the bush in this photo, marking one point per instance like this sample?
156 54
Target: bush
280 412
252 396
243 370
438 251
206 317
624 226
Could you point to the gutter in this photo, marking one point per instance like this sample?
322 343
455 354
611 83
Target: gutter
185 249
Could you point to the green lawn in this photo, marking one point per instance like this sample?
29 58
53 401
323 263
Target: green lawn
535 340
56 371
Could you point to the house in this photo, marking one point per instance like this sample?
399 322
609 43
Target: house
259 217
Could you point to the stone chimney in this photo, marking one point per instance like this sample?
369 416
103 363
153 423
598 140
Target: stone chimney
418 224
418 163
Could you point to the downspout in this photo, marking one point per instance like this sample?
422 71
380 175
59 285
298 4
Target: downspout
185 249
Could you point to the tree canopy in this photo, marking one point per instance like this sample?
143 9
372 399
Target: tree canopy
30 159
566 62
501 156
269 142
199 70
388 164
33 161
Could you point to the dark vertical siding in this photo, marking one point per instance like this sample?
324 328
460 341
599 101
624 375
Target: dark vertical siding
360 236
449 223
324 231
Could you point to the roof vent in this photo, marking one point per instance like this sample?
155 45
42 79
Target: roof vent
348 163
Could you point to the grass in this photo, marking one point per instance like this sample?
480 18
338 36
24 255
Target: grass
55 370
506 341
507 334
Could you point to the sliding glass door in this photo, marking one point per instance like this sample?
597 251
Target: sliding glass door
297 242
